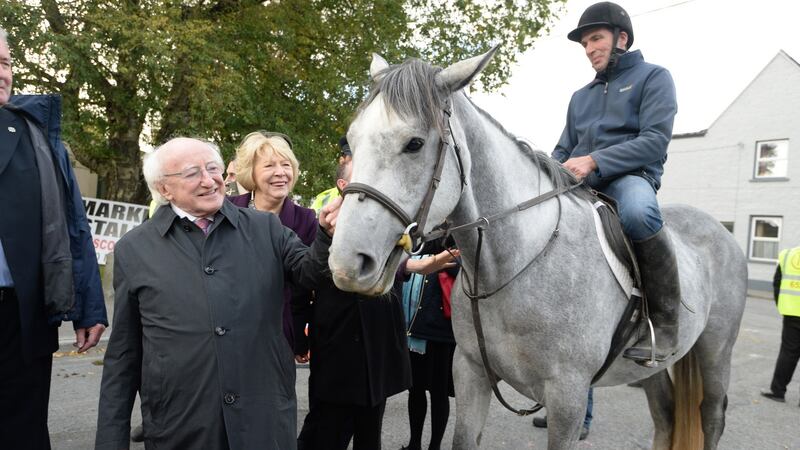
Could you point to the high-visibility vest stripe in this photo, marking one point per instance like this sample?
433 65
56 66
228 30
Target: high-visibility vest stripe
789 293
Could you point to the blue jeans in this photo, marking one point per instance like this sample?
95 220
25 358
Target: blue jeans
587 421
637 205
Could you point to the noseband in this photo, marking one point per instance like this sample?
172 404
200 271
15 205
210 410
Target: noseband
413 238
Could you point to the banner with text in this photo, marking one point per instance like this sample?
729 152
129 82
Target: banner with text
109 221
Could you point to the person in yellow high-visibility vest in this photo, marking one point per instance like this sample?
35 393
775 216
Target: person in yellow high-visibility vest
343 172
786 286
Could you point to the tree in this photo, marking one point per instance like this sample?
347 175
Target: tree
136 72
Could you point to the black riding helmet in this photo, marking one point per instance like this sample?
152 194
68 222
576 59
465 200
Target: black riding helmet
603 14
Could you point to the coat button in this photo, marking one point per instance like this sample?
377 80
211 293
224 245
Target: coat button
220 331
209 270
229 399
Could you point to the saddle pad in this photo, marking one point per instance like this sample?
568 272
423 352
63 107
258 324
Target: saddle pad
621 273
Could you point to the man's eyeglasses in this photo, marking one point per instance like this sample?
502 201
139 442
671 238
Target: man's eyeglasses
194 173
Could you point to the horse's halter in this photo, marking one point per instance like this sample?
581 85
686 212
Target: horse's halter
413 238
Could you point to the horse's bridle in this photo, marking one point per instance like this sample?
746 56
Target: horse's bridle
413 238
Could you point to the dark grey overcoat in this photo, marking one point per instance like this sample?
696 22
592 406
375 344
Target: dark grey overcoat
198 331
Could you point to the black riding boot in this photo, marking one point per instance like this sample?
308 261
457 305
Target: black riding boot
659 269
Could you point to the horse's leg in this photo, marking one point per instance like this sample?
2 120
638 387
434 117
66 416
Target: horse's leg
662 405
714 351
566 409
473 393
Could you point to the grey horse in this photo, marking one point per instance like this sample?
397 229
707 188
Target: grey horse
549 328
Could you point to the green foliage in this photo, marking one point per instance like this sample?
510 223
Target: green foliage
140 71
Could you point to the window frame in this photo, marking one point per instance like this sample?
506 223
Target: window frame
752 239
758 159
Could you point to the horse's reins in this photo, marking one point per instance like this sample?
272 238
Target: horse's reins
414 238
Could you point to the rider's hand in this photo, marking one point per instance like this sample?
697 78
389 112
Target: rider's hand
581 166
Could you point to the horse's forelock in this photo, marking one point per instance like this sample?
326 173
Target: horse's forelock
409 90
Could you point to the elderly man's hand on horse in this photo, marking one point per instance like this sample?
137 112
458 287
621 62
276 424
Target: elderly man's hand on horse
328 215
581 166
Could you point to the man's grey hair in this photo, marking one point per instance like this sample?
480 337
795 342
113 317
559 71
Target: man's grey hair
3 36
153 167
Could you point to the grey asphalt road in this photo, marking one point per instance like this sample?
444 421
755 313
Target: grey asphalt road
621 421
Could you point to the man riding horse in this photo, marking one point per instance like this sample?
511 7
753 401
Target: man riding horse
616 137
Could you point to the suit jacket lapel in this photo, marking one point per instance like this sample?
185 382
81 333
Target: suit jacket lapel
11 129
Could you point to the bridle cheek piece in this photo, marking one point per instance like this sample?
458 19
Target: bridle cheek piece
413 238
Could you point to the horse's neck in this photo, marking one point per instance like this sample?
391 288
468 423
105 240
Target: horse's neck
501 176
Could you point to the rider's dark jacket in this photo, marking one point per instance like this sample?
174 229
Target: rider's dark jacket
624 119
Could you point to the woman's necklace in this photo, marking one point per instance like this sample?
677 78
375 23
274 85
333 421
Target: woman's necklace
252 204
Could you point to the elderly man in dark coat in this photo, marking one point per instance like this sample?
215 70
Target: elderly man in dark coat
197 320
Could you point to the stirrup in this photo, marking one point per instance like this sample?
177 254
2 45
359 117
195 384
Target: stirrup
651 362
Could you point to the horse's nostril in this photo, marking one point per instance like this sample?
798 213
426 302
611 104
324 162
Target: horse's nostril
367 264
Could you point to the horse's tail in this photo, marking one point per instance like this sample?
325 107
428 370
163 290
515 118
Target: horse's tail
687 431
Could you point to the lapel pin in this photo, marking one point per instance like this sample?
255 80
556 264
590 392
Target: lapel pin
12 129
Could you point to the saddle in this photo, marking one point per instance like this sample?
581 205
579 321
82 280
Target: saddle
618 251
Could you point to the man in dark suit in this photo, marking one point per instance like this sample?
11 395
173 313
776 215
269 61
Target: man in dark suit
48 268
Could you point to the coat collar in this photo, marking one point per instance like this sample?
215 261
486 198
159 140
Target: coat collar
624 62
165 217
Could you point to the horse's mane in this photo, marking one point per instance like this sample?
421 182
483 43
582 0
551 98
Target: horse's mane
409 90
560 176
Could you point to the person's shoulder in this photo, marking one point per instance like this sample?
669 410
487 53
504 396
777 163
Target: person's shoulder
240 200
253 217
649 68
307 214
134 236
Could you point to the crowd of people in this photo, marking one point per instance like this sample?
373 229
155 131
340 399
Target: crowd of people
226 287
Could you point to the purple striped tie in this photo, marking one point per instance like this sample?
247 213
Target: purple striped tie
204 224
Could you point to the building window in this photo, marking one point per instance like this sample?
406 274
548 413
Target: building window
765 237
728 226
772 158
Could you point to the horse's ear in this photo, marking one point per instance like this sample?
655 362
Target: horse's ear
460 74
377 66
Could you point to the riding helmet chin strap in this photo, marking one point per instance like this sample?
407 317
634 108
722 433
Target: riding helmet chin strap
613 58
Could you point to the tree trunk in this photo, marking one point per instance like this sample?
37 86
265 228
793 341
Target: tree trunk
121 176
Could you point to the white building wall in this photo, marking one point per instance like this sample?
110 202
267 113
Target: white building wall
715 172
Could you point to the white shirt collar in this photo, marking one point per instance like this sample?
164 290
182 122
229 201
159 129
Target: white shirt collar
181 213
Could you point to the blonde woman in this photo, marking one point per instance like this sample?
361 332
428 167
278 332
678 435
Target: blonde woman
266 166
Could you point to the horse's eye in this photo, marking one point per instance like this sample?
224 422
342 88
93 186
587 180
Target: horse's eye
414 145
